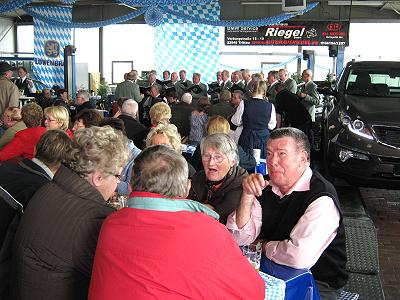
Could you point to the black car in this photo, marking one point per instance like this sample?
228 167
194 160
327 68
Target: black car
361 125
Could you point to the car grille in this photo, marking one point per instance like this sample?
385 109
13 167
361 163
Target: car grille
388 135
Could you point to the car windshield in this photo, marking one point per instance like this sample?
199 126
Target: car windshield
374 82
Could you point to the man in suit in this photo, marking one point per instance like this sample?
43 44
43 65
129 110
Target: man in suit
288 83
128 88
272 79
181 115
183 84
226 83
201 91
237 79
144 108
23 83
134 130
308 93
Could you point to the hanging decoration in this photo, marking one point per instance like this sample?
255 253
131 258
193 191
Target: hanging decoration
153 11
13 5
153 16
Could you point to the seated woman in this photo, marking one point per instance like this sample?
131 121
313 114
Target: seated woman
86 118
24 141
124 186
56 240
12 120
57 117
218 124
160 113
198 120
167 135
219 185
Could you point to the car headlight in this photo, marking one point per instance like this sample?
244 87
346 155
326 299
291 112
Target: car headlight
356 126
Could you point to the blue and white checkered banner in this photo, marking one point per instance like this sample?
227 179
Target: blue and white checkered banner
49 43
180 44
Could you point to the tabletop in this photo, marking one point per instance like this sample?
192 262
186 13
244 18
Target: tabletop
299 283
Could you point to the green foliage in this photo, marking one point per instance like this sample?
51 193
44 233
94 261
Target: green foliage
102 90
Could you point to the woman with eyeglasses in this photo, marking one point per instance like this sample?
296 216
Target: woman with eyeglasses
57 117
57 237
219 185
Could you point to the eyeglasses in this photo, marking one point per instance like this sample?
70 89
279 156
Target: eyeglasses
50 120
217 158
117 176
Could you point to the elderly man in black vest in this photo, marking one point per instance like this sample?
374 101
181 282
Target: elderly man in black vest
297 213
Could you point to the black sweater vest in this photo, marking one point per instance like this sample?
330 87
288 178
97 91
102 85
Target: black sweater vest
281 215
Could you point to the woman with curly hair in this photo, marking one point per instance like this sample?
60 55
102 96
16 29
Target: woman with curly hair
56 239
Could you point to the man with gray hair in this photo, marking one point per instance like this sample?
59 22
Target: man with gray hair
9 94
129 88
135 131
82 101
166 246
296 213
181 115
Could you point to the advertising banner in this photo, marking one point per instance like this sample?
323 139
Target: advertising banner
291 33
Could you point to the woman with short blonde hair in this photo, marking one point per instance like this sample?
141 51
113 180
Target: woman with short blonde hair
160 113
56 117
171 137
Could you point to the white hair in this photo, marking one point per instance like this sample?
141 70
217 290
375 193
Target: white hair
187 98
129 107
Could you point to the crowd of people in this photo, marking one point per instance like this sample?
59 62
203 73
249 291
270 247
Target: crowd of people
65 233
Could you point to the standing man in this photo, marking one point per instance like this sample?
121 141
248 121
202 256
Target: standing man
288 83
164 246
9 94
24 83
308 93
198 89
272 79
226 83
165 75
128 88
296 213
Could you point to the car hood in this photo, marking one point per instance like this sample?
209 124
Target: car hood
377 110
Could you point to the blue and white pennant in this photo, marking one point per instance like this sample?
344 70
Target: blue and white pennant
190 46
51 75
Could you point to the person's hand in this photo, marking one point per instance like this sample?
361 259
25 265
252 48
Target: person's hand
253 185
302 95
30 83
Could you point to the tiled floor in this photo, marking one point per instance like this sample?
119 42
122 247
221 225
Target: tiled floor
384 208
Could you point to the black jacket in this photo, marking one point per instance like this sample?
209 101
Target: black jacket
135 131
56 240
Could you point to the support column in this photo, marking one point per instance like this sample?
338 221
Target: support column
101 48
340 61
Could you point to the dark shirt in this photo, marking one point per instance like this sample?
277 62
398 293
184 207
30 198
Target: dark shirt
135 131
181 113
289 105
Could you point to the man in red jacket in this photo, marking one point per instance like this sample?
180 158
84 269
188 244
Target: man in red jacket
164 246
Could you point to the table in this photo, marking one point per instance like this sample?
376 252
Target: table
23 100
300 283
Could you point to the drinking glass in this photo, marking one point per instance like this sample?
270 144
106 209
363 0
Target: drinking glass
253 254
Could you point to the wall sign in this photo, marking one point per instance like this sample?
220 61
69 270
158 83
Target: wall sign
291 33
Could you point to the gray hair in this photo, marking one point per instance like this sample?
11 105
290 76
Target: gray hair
84 94
159 169
129 107
187 98
222 143
299 137
98 149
